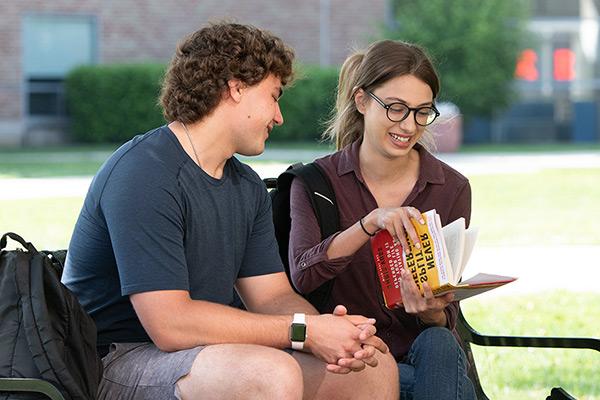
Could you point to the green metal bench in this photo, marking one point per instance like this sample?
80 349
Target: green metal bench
471 336
468 335
30 385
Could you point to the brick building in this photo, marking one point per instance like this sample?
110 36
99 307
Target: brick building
41 40
558 78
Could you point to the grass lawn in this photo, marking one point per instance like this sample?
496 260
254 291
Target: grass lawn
521 373
44 169
83 160
52 162
47 223
548 207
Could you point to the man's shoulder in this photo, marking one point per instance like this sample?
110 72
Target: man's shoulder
143 163
152 155
246 172
156 147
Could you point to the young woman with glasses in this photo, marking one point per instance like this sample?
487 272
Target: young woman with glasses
383 176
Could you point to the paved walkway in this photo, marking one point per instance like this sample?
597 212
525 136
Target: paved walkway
278 160
555 264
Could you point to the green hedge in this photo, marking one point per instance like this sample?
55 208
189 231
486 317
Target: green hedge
112 103
307 104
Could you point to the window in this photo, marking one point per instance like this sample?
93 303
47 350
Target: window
52 46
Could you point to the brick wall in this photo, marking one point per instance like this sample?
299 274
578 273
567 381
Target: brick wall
143 30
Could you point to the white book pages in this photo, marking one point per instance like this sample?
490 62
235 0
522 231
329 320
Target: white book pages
454 237
438 246
448 267
470 237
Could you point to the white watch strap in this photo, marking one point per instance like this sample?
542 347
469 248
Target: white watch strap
297 345
299 318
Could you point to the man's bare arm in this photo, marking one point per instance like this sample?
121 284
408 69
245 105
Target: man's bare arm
174 322
272 294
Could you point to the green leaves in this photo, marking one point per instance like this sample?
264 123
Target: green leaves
307 104
112 103
474 45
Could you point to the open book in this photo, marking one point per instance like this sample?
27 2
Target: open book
440 261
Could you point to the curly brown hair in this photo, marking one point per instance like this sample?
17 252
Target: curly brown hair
207 59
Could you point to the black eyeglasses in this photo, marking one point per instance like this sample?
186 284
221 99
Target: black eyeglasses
397 112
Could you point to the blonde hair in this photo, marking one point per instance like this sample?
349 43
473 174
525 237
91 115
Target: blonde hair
369 69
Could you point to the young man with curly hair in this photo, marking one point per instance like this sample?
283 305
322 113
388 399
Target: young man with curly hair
173 224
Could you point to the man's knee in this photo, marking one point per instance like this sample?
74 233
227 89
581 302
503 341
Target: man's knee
377 383
380 382
226 371
388 366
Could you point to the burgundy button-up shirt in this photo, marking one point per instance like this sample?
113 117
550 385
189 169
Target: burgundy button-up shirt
356 284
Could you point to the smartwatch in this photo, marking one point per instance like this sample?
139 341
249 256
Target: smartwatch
298 331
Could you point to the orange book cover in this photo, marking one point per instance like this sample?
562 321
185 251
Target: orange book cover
431 262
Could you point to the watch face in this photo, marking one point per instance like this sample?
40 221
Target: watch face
298 332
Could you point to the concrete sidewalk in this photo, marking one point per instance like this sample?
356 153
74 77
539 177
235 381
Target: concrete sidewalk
538 268
272 162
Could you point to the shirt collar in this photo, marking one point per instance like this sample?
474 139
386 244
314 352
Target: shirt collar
349 159
430 168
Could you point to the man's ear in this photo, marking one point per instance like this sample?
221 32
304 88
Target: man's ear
360 100
236 89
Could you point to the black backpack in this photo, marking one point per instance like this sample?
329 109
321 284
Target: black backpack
44 331
324 204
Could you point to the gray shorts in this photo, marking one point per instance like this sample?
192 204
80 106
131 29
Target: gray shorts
136 371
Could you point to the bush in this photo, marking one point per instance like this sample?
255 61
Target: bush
307 105
112 103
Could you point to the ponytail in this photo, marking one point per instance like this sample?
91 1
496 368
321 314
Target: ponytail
346 124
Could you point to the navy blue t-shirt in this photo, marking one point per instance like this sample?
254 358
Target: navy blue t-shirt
154 220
